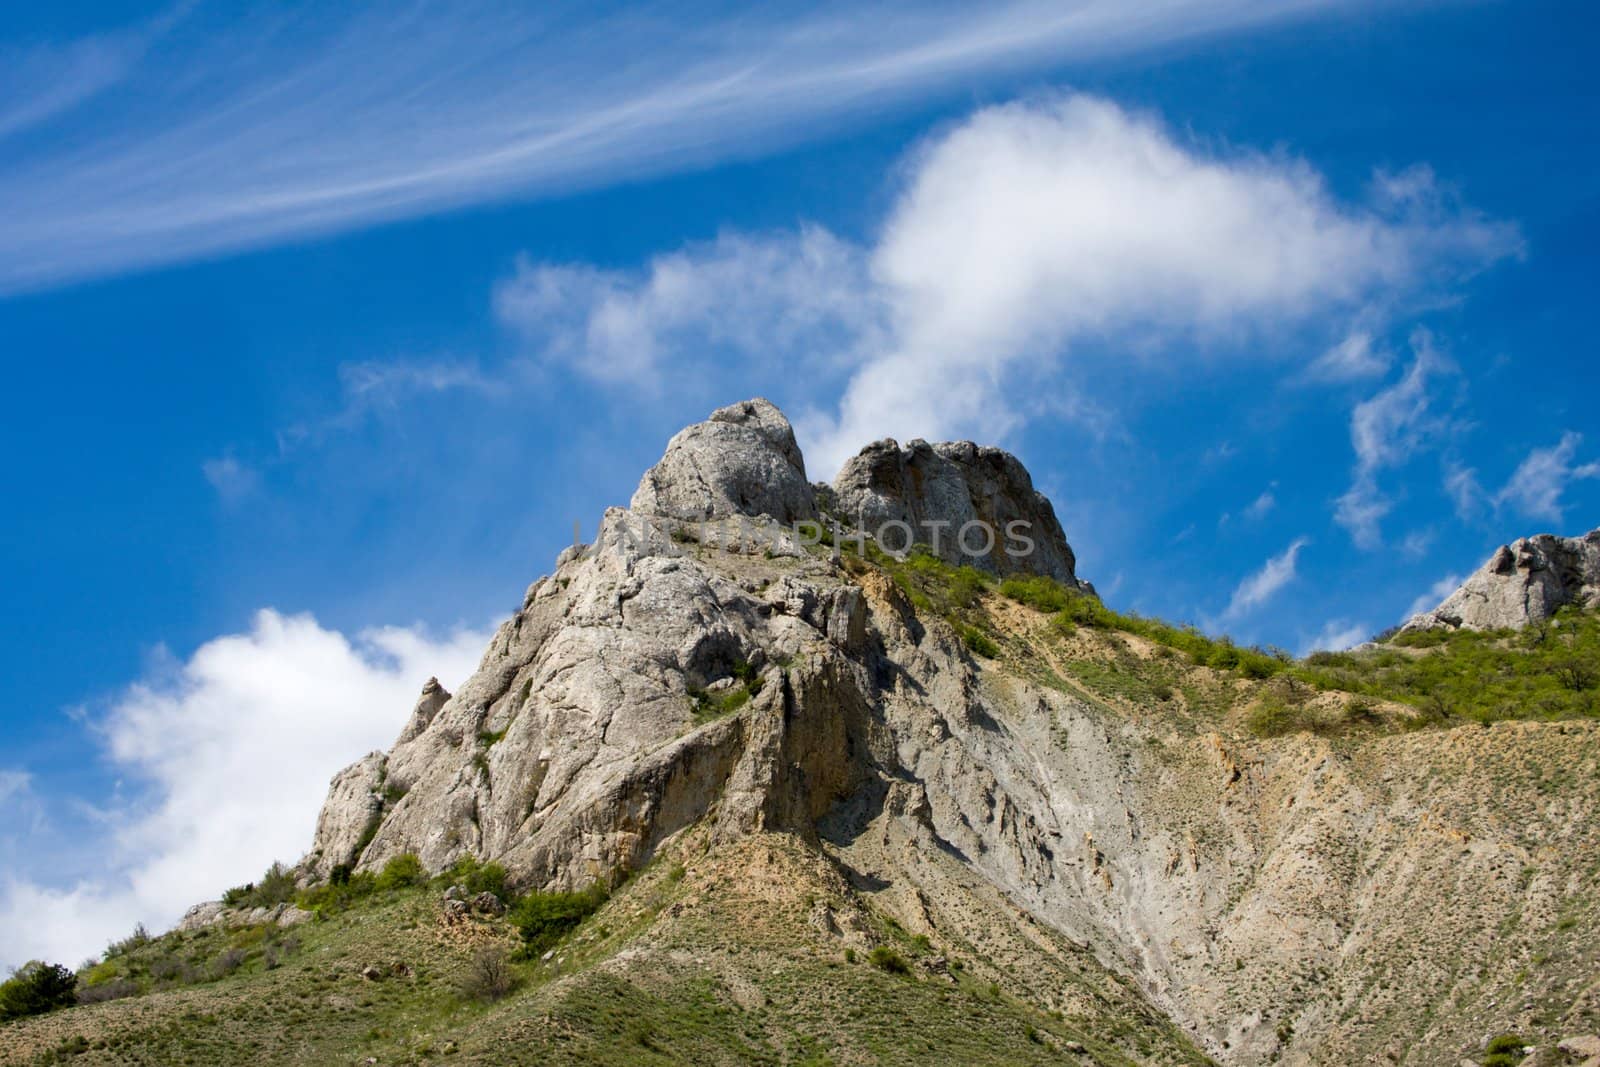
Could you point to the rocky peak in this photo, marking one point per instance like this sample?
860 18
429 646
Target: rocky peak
743 460
434 696
1523 582
938 489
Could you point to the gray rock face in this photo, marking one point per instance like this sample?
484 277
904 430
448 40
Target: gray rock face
938 490
355 800
434 697
1523 582
743 460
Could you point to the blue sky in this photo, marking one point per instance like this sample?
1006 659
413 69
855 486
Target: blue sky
321 331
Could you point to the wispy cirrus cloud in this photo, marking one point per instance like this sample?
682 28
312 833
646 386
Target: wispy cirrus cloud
1537 485
1388 430
1265 583
243 129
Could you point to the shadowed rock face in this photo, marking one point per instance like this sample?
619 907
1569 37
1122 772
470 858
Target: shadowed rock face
937 490
743 460
1523 582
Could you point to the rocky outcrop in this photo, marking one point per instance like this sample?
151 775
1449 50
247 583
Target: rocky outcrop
434 697
216 913
349 816
1523 582
743 460
969 503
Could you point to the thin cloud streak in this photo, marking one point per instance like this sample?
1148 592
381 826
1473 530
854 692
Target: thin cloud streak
271 128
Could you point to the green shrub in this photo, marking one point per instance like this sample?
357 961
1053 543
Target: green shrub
35 988
401 872
545 918
138 939
887 959
1275 716
1504 1050
1038 593
334 897
979 642
277 886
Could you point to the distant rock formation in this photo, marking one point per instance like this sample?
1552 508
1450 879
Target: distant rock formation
1523 582
936 490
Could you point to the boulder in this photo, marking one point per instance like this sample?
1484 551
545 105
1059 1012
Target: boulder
488 904
743 460
202 915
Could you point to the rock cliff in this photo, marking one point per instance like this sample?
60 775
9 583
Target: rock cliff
1523 582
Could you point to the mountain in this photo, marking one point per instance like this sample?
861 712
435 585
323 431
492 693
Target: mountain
771 790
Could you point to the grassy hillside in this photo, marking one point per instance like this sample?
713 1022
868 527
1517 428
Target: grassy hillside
1548 671
754 952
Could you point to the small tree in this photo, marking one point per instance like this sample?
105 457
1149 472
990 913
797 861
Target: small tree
401 871
35 988
489 976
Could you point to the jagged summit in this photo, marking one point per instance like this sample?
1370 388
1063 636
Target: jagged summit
969 503
1523 582
941 490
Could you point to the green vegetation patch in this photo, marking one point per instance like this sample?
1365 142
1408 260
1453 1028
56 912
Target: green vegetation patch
1545 671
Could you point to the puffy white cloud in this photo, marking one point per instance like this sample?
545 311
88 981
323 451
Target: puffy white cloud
1265 583
1033 225
226 758
1019 232
1535 488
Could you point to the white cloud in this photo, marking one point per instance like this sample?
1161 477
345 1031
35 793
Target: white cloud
1462 487
1352 359
1261 506
230 754
262 127
13 784
1265 583
1416 544
1536 487
1434 595
1020 231
1337 636
793 298
231 479
1388 430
